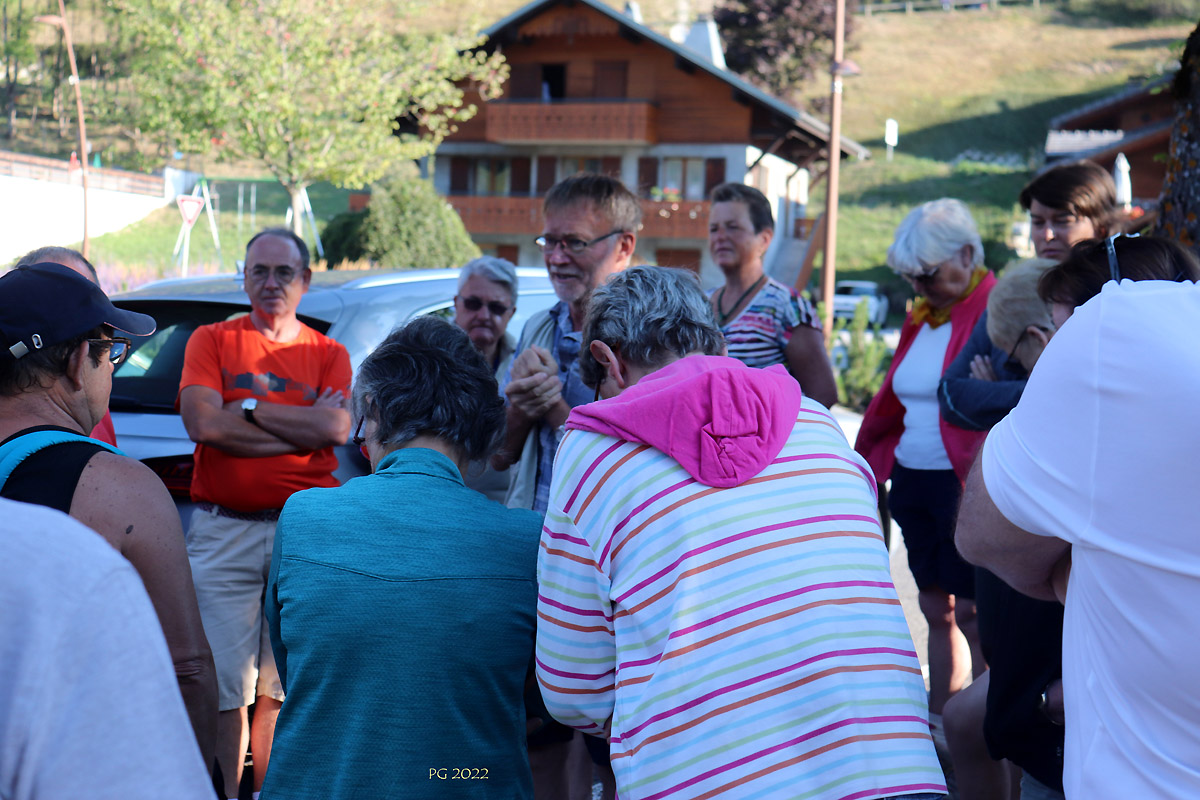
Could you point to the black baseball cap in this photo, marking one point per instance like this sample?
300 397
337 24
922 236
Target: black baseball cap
45 304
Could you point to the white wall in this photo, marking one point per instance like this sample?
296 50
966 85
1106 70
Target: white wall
39 213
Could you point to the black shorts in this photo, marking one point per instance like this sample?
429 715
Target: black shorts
924 503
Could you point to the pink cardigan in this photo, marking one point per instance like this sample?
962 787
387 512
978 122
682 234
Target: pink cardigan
883 421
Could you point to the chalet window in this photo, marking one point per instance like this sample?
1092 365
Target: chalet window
610 81
647 176
492 177
554 81
495 177
605 165
525 82
683 178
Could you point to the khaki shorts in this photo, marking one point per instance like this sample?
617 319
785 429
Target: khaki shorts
230 561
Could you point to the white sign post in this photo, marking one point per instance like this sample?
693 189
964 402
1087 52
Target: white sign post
190 207
891 136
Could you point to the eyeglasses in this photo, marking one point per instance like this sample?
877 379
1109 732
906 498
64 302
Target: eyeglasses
571 244
118 347
924 278
283 274
358 439
1114 269
1012 363
494 307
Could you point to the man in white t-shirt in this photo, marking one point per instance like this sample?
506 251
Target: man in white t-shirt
89 705
1092 477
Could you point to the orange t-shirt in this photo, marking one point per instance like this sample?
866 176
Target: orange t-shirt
239 362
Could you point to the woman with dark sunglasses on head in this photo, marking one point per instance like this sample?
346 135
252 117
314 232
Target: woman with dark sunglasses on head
904 437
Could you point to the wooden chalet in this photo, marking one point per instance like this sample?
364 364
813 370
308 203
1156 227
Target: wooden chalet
592 89
1135 121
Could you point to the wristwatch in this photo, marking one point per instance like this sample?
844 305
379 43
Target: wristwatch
1044 707
248 406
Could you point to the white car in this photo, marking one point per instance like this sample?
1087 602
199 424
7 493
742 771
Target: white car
848 294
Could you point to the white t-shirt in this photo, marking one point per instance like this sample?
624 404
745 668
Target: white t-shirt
1102 452
915 383
89 704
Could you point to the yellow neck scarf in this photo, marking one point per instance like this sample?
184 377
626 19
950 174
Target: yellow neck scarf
923 313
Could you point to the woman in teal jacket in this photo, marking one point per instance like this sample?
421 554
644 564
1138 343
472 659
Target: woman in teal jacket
401 605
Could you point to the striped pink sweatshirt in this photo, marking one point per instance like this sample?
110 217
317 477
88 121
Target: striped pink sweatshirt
725 612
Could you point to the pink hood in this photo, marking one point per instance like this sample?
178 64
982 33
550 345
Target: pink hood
721 420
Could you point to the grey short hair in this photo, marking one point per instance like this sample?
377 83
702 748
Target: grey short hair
56 255
1014 304
931 234
648 315
496 270
427 378
605 194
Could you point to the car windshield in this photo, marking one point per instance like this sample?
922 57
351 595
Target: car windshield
149 379
854 290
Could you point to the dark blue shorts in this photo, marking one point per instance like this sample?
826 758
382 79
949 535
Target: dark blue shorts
924 503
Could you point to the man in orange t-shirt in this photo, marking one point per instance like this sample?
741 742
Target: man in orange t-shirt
265 399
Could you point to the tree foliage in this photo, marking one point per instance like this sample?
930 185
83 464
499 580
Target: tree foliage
314 90
778 44
406 225
1179 211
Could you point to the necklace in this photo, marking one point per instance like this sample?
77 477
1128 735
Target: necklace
723 317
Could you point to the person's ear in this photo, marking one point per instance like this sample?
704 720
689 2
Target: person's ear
967 254
766 234
79 361
626 245
1039 334
614 370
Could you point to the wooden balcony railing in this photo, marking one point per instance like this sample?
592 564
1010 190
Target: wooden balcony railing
576 122
523 215
490 215
686 219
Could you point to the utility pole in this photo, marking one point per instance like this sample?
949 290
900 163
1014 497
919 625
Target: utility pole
835 157
61 21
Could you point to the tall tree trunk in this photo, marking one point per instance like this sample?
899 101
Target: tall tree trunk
296 198
1179 205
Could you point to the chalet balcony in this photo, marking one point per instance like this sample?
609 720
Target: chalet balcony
483 216
573 121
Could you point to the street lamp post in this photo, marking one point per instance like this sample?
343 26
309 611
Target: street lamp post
61 21
835 156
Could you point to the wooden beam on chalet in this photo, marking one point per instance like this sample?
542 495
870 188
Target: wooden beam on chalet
630 35
683 65
740 97
775 145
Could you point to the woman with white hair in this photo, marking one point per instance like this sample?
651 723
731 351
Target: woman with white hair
904 437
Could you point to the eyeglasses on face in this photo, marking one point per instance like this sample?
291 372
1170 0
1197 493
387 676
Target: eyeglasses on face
1012 363
571 244
494 307
1114 269
284 274
118 347
924 278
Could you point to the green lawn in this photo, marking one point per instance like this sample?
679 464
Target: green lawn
143 250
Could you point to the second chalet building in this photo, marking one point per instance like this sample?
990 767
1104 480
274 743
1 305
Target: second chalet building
592 89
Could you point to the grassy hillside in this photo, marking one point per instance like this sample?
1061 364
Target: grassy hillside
980 81
986 81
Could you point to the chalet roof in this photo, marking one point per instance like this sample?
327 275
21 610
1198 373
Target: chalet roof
1104 148
803 122
1074 118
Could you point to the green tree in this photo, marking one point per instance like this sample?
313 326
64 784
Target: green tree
778 44
16 18
409 225
313 90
